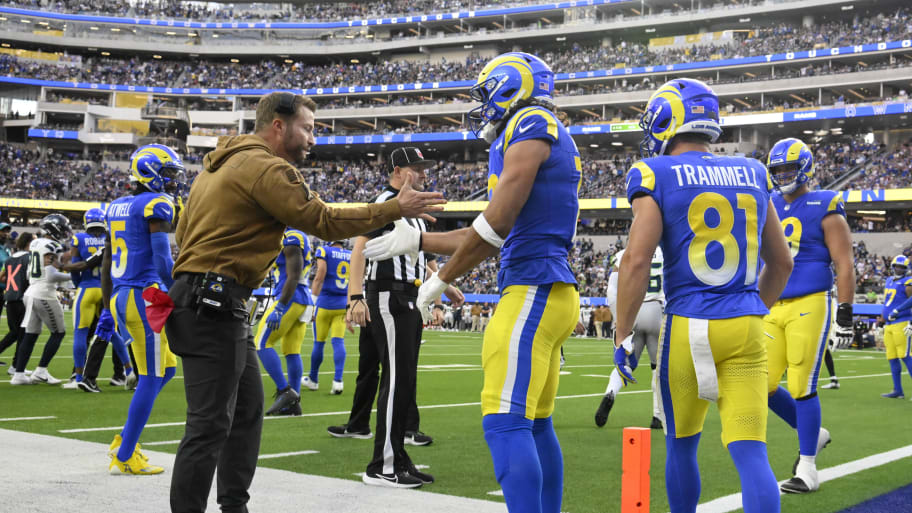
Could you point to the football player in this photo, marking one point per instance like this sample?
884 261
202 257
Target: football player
41 303
646 330
534 171
713 217
137 258
798 325
898 330
84 258
286 320
330 285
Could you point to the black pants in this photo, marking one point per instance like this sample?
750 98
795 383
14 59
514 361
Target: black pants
396 331
15 312
224 404
96 357
369 360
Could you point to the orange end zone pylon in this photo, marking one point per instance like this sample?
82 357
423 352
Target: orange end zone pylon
635 467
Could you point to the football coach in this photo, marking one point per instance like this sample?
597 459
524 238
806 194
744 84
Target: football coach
229 234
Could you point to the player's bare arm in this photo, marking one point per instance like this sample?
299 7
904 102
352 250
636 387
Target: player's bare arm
357 312
633 274
319 277
777 257
838 239
294 263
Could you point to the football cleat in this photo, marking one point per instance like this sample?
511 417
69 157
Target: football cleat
424 477
832 385
135 466
89 385
601 415
823 440
71 385
284 399
805 480
417 438
893 395
12 371
115 446
118 381
131 381
41 375
294 410
310 385
656 424
20 378
337 388
397 480
344 432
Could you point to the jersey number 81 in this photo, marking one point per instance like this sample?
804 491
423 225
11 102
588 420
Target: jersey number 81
722 234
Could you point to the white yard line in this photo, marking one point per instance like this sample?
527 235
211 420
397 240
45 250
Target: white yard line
17 419
285 454
733 502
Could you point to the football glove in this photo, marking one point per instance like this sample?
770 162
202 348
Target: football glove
403 240
907 331
274 319
430 291
893 315
843 333
104 329
95 260
625 360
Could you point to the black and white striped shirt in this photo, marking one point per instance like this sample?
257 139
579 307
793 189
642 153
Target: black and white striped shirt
400 268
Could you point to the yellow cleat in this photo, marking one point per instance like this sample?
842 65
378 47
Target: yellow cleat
115 446
135 466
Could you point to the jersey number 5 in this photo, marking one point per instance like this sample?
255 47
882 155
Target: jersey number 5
118 249
721 235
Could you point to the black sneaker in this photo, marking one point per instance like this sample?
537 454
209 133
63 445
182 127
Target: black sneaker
294 410
656 424
118 381
89 385
417 438
423 477
601 415
284 399
397 480
343 432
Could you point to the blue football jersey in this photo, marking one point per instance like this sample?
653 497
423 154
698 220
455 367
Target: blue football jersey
895 295
86 246
298 239
801 222
536 250
132 262
713 211
334 294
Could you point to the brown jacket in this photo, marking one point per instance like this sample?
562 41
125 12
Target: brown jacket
241 203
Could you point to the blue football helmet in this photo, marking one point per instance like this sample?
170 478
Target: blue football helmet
94 218
797 156
504 81
156 166
683 105
900 265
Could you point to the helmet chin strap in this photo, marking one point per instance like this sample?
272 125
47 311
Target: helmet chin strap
790 188
489 131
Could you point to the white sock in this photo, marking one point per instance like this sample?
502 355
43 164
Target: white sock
614 383
807 462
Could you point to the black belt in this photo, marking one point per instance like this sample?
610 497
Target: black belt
376 286
233 288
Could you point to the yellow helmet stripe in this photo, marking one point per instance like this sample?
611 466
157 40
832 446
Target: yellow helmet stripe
794 151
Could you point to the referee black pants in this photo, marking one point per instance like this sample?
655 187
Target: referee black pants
15 312
224 405
395 329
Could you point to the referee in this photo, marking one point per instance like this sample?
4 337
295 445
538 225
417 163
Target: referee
229 235
391 327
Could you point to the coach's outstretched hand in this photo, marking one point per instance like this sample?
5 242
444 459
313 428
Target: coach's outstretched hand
625 360
403 240
413 203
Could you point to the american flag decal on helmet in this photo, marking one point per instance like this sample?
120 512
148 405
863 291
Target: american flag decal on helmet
696 109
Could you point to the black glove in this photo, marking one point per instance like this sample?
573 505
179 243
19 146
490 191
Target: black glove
95 260
843 332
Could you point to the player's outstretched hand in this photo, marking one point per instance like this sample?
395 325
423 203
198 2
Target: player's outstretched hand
624 359
907 331
413 203
456 297
429 292
104 328
403 240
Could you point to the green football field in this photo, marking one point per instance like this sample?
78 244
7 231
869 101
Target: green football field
449 381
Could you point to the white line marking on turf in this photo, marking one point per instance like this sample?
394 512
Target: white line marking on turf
499 493
16 419
164 442
284 454
595 376
733 502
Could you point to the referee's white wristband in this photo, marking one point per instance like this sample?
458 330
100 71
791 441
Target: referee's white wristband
484 230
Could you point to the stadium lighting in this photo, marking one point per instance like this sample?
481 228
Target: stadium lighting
170 33
43 23
235 61
2 18
744 20
106 53
873 212
191 34
617 143
115 29
848 7
156 56
5 45
25 21
371 154
215 35
593 145
468 47
809 132
289 61
650 30
562 38
93 28
355 61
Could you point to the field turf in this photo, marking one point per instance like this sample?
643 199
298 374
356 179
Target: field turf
449 380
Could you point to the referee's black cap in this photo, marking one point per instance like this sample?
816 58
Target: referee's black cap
409 156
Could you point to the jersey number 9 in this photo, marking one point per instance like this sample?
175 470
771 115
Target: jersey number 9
342 275
793 237
722 235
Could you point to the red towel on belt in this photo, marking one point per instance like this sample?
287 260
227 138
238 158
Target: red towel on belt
158 308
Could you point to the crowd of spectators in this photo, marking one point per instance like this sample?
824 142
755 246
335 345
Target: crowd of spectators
24 174
889 170
577 57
